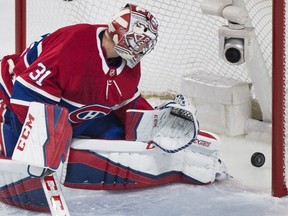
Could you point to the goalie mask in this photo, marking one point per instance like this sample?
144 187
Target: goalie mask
134 32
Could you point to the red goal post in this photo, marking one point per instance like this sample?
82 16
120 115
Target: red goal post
20 25
189 41
280 106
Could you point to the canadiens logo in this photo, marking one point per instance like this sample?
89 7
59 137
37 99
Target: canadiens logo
89 112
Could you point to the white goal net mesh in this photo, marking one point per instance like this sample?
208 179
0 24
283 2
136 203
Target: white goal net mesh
188 40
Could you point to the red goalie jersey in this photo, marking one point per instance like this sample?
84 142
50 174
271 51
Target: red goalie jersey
69 68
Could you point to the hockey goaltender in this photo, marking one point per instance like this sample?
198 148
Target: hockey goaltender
71 101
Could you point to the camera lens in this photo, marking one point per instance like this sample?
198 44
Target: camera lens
233 55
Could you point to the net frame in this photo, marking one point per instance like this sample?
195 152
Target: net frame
279 117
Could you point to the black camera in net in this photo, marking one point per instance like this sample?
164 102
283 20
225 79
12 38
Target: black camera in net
234 50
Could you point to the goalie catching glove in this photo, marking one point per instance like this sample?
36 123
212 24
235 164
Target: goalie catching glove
172 126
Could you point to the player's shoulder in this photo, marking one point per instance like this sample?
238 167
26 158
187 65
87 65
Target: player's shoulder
77 34
67 38
82 27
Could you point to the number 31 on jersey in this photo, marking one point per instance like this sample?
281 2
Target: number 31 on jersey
40 74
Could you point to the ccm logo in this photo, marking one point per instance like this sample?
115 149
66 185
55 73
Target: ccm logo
202 143
26 132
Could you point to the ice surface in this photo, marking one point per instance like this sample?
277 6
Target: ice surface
219 199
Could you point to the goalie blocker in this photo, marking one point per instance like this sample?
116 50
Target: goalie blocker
45 138
42 145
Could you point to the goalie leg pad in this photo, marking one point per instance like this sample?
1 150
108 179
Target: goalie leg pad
134 166
45 137
90 170
18 189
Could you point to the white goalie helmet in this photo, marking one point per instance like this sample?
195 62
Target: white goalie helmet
134 31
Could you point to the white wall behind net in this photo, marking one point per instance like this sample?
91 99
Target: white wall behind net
188 40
